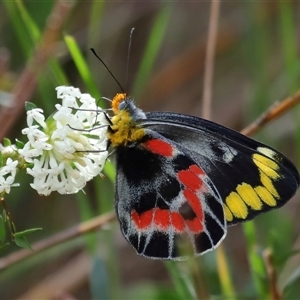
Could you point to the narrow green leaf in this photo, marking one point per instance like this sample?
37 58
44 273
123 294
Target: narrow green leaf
224 274
99 280
82 66
22 242
29 35
257 265
18 25
95 22
58 73
86 212
110 171
26 232
181 284
291 269
288 30
30 25
151 51
291 278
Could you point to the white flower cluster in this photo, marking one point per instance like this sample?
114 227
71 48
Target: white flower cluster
8 171
69 148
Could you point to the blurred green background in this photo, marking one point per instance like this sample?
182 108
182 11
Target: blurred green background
257 63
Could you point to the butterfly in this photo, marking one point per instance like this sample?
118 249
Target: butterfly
181 180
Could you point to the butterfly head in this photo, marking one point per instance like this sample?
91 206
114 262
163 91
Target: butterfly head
117 100
122 104
124 128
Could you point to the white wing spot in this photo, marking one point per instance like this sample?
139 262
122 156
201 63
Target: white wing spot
229 153
267 152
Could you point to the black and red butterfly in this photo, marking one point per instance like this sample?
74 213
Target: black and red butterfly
182 178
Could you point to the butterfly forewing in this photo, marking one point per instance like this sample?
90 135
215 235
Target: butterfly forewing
250 177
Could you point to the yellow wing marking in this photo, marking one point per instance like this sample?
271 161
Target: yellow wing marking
228 213
245 195
268 184
266 164
268 172
236 205
265 195
249 196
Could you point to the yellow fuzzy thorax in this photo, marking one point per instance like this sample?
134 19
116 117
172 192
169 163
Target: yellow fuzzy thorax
124 130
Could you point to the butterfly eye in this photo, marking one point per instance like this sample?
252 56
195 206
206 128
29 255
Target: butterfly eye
123 105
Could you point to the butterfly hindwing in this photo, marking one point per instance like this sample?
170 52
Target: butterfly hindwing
163 196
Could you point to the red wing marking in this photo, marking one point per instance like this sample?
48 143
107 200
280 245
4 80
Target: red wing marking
142 221
162 220
195 169
159 147
165 220
190 179
194 225
195 204
178 221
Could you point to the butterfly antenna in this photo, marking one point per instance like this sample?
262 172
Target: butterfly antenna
128 54
109 71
